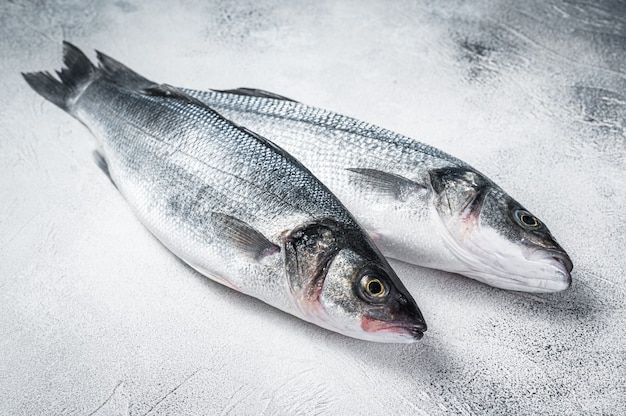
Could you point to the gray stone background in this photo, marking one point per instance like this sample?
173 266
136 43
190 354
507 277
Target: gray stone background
97 318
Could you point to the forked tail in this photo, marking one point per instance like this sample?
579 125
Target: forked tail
79 72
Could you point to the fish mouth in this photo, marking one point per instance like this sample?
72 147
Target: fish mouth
557 258
555 265
564 260
534 269
417 331
412 330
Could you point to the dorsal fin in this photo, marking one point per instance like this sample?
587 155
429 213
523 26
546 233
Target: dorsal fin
253 92
166 90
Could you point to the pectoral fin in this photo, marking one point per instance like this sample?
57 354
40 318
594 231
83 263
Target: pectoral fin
243 236
387 183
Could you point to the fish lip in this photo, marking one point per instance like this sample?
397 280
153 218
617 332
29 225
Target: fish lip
557 257
417 331
412 329
559 260
565 260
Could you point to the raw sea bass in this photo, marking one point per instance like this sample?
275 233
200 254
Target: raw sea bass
420 205
231 204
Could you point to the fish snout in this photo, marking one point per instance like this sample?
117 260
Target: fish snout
562 257
560 262
417 331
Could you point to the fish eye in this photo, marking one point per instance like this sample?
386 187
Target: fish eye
525 218
373 287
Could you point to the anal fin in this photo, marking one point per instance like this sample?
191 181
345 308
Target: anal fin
103 165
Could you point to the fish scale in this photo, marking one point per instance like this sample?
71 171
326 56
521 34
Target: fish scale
328 144
231 204
400 190
198 155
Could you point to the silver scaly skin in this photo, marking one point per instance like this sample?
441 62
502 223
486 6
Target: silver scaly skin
231 204
420 205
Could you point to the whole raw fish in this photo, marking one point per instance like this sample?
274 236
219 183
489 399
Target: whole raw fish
232 205
420 205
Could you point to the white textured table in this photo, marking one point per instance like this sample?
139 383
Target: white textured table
96 317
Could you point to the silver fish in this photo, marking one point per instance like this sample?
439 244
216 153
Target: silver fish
232 205
421 205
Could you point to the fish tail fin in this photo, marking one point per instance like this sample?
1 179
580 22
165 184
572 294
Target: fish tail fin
120 74
78 73
124 77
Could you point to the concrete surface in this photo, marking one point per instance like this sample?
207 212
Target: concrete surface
97 318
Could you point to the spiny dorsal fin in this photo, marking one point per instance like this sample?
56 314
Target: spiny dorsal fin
253 92
389 183
243 236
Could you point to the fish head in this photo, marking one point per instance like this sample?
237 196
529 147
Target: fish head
369 302
341 282
495 238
